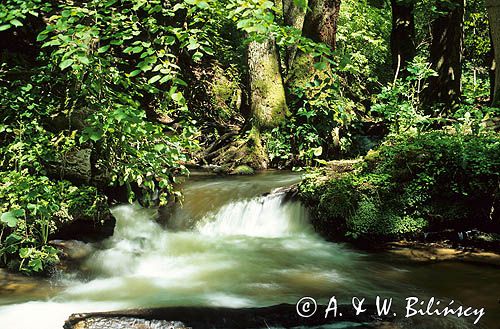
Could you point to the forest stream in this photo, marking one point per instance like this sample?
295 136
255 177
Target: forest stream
233 244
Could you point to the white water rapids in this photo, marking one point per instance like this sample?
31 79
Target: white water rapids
229 247
250 252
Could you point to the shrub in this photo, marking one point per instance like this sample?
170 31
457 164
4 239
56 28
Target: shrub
431 181
34 207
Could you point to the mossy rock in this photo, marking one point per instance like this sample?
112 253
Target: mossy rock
243 170
245 151
372 156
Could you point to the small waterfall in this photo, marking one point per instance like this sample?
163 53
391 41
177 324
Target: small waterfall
265 216
139 241
236 250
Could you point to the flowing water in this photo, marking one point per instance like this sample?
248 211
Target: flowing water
230 245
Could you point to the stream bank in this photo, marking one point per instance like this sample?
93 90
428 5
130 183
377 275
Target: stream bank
429 187
235 245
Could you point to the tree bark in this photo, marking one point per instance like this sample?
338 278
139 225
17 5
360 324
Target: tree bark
492 69
446 57
320 23
402 36
267 94
493 7
293 16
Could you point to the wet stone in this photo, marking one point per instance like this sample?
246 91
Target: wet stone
126 322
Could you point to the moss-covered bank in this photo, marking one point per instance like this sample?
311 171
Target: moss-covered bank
408 186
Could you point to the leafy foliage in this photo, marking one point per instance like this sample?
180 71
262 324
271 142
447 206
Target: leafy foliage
142 86
399 103
430 181
32 208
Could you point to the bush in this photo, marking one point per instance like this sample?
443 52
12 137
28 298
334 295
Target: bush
34 207
411 183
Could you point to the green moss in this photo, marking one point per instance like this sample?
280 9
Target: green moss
268 101
243 170
372 156
432 181
247 150
225 91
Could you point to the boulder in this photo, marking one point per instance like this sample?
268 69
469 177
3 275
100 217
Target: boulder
283 315
74 166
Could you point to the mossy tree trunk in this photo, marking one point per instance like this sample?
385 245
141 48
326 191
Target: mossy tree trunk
402 36
293 15
493 7
320 23
267 93
446 57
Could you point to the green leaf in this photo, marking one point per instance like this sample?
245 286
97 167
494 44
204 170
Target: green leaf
119 115
36 264
110 3
197 56
5 27
193 45
320 65
177 97
66 63
137 49
11 217
180 82
12 239
154 79
54 42
16 23
24 252
178 6
103 49
318 151
169 40
84 60
202 5
134 73
159 147
300 3
95 135
321 161
42 36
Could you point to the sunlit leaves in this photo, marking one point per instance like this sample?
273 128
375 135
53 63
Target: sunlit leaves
66 63
10 218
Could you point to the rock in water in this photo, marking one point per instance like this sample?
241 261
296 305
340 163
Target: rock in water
280 316
126 322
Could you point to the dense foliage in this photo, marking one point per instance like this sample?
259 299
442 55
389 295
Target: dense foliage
104 98
431 181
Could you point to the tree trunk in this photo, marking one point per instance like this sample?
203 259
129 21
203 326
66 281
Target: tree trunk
446 57
267 108
267 94
493 7
293 16
492 69
402 36
320 23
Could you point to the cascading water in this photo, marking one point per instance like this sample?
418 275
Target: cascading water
266 216
262 245
231 247
249 252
